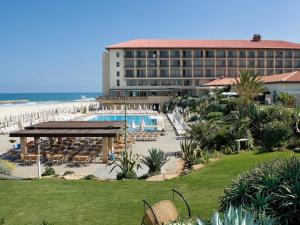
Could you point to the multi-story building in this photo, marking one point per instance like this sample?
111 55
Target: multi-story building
180 67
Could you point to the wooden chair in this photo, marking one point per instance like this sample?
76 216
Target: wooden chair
163 212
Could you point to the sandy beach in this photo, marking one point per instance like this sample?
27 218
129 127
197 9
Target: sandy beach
6 111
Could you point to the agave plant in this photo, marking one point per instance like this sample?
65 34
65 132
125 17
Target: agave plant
189 150
236 216
155 160
232 216
127 163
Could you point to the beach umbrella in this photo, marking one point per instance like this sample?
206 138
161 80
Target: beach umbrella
133 124
142 125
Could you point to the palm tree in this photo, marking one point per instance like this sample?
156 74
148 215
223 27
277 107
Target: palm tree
155 160
248 86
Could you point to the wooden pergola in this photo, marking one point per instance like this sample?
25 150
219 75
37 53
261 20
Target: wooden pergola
107 130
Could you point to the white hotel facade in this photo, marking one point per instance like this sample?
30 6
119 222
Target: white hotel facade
181 67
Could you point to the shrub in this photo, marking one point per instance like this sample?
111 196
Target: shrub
214 115
44 222
127 163
68 172
6 167
155 160
284 98
293 142
189 153
49 171
271 187
90 177
274 134
126 175
2 221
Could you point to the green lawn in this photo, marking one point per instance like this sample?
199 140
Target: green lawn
117 202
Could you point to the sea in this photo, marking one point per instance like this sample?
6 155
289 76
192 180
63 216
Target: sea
47 98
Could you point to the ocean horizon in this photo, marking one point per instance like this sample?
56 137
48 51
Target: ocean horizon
47 97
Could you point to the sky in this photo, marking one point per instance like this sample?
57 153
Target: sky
56 45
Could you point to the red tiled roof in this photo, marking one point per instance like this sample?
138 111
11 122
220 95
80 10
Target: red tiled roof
293 77
150 43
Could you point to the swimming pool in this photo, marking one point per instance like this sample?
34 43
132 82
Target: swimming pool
133 121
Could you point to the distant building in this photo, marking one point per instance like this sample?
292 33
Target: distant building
288 82
181 67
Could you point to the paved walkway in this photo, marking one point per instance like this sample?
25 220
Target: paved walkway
167 143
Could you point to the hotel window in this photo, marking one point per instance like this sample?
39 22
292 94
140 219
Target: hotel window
288 54
129 73
242 54
140 63
297 64
296 54
154 82
260 64
129 54
118 73
209 53
187 83
198 54
141 54
187 63
152 63
187 73
117 54
131 83
198 73
151 73
288 70
251 64
209 63
260 54
270 54
164 63
279 54
221 63
232 54
118 64
232 73
251 54
186 54
165 83
118 83
175 63
142 82
279 64
221 73
177 82
270 72
175 54
175 73
231 63
141 73
129 63
152 54
209 73
260 72
242 63
221 54
270 63
288 64
198 62
278 71
164 54
164 73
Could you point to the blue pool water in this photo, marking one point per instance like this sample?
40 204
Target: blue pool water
136 119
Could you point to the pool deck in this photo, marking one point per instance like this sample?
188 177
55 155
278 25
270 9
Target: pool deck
167 143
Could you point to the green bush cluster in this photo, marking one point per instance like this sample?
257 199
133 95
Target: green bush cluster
271 187
6 167
49 171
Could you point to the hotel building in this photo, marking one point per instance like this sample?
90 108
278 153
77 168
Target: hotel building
181 67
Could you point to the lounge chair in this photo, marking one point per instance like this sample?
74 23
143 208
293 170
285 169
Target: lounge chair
163 212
